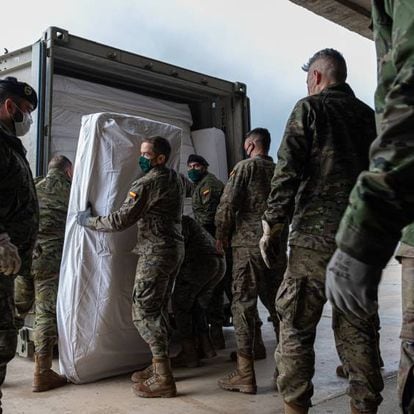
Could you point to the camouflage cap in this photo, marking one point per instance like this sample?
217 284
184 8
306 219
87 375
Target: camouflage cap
20 89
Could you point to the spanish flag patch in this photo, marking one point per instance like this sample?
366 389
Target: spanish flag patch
206 192
133 195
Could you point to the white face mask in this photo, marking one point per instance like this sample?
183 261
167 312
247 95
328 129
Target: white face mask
23 127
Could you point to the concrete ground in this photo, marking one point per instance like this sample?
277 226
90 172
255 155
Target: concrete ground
198 391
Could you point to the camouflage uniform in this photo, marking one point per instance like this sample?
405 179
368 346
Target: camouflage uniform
324 148
382 201
19 218
53 194
155 203
205 199
200 272
238 219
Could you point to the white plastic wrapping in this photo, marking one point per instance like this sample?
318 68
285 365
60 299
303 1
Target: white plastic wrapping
97 337
211 144
74 98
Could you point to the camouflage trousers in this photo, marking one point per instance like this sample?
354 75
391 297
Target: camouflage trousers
154 279
406 369
8 332
299 305
252 279
41 288
193 290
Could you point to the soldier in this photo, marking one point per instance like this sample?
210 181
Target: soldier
53 195
324 148
155 204
207 192
382 202
238 219
18 206
205 199
202 269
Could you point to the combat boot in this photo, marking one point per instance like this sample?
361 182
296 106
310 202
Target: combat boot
160 384
217 337
187 357
143 375
290 408
205 347
243 378
44 377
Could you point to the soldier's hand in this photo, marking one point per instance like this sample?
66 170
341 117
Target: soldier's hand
352 286
83 217
270 243
10 261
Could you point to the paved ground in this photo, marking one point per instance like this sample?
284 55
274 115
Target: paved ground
198 392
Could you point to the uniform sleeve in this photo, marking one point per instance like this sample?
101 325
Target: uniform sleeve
188 185
382 202
230 201
292 159
132 209
4 190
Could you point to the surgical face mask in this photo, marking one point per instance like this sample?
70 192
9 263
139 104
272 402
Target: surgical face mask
22 127
145 164
195 175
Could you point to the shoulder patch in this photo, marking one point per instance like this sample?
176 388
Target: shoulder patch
133 195
206 192
232 173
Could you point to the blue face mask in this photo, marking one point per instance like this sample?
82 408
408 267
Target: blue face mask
195 175
145 164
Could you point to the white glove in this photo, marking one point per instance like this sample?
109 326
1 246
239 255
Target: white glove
83 217
270 242
10 261
352 286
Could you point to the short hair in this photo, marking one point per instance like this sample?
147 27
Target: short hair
160 146
260 136
60 162
337 69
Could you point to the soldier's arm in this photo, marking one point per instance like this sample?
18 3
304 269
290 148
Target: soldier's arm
5 191
381 203
292 155
230 201
132 209
188 185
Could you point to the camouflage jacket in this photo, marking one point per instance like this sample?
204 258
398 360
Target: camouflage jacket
53 194
197 240
19 214
382 201
206 198
324 148
155 203
243 202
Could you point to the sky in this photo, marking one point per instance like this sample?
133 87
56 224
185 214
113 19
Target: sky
261 43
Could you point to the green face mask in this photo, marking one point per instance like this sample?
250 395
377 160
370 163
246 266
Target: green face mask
195 175
145 164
